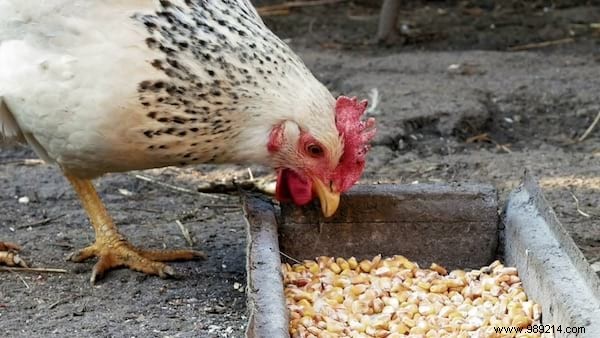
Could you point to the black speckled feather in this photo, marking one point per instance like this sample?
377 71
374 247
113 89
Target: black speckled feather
219 58
120 85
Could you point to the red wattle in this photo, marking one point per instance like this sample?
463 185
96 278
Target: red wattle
293 187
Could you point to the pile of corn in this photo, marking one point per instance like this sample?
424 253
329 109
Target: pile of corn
393 297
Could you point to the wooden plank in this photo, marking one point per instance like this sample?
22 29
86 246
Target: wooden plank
268 315
553 270
452 225
390 203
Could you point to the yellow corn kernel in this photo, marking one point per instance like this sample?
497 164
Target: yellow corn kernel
520 321
304 302
439 269
409 322
335 268
358 289
424 285
439 288
352 263
378 305
393 297
333 326
343 264
376 261
361 279
313 267
365 266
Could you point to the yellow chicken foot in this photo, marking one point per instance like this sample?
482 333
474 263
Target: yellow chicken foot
112 249
9 256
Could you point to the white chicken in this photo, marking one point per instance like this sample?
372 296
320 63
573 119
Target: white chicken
118 85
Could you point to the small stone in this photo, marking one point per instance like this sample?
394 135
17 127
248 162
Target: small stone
125 192
23 200
453 67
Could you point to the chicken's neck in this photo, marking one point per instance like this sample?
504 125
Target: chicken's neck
228 80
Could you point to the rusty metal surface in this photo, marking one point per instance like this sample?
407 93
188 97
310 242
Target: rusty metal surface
453 225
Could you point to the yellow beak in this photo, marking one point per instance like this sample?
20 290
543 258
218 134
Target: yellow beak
329 200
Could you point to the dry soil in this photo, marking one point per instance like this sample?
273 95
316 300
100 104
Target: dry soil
454 102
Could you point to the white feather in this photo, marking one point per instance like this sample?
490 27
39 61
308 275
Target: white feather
9 129
69 76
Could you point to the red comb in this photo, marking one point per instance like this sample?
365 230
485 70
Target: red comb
356 135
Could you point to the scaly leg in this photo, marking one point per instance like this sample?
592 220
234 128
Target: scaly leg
112 249
9 256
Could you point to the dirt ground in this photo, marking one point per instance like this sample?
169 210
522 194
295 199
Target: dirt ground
454 101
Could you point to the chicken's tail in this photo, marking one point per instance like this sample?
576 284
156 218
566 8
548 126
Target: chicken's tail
10 132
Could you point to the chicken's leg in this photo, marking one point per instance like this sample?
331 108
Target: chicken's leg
111 248
9 256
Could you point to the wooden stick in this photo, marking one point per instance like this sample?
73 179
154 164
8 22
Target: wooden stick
40 222
175 188
479 138
185 232
590 128
21 278
26 161
49 270
290 257
581 212
541 44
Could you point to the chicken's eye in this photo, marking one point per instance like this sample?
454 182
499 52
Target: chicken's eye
314 150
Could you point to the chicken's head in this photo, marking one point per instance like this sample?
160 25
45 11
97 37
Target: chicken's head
319 160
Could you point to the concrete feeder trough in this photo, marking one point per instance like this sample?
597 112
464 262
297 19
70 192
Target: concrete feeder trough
456 226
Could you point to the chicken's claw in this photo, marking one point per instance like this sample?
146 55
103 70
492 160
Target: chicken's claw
6 246
9 256
112 248
120 253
